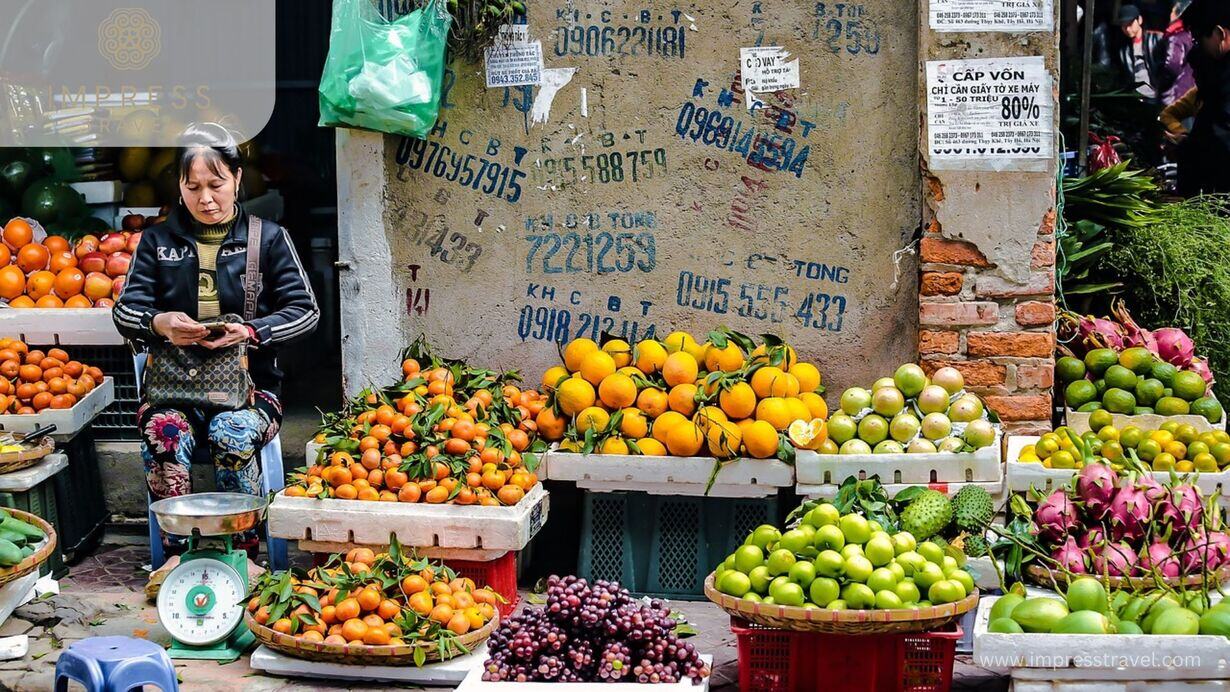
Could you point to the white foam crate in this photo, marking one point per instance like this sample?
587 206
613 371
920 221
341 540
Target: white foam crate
417 525
60 326
982 466
1094 657
1079 422
100 191
1020 476
312 448
474 683
828 491
68 421
442 674
25 479
670 475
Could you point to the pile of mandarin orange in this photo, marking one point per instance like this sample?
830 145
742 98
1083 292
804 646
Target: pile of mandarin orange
32 380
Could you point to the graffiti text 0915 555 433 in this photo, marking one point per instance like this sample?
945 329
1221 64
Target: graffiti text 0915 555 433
721 296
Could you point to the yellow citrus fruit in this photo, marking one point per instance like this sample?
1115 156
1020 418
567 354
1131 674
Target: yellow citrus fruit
808 376
685 439
786 385
633 424
676 341
630 371
707 416
649 356
613 445
653 401
651 447
725 439
765 380
576 351
739 401
760 440
617 391
619 350
553 376
663 424
597 366
574 395
798 410
775 412
744 424
682 398
592 418
767 355
679 368
727 359
807 434
570 446
696 350
815 404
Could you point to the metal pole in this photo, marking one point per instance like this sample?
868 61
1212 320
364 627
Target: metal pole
1086 77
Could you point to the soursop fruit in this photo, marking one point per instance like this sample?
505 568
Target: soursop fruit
927 515
972 510
976 546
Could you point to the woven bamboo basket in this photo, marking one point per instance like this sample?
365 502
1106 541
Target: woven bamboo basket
16 461
356 654
1042 576
38 557
900 621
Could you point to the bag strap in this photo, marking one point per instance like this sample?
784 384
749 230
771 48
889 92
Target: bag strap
252 273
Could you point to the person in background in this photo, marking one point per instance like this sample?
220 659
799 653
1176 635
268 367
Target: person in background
1177 77
1176 117
1204 157
1142 54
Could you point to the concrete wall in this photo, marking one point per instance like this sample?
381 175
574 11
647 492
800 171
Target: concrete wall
636 213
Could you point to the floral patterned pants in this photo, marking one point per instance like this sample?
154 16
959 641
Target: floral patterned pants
235 439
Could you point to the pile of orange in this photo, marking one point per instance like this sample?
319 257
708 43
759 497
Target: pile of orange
32 380
430 439
56 273
724 397
365 599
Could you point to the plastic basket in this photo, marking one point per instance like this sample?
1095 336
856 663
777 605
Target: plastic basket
499 574
774 660
118 422
661 545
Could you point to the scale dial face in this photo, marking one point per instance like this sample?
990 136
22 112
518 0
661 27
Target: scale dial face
200 602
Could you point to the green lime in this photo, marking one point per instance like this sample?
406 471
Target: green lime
1205 463
1186 433
1170 426
1148 449
1189 385
1079 393
1149 391
1138 359
1099 359
1164 372
1118 401
1208 407
1221 452
1197 446
1131 436
1063 459
1069 369
1172 406
1100 419
1119 377
1090 407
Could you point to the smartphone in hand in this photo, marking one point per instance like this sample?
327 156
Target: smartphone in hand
216 329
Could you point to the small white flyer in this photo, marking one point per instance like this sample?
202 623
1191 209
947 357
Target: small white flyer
992 15
514 60
995 114
767 69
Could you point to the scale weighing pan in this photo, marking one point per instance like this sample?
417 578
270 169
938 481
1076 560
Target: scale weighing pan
209 514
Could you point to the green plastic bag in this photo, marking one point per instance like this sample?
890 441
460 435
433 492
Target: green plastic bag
384 75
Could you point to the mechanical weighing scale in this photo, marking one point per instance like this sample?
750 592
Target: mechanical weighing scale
201 601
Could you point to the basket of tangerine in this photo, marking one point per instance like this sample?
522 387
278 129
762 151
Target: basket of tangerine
364 608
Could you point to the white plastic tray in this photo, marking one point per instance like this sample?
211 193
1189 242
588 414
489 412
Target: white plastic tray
670 475
1099 657
60 326
100 191
417 525
68 421
982 466
474 683
828 491
443 674
1020 476
31 476
1079 422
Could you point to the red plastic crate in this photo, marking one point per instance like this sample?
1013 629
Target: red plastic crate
499 574
775 660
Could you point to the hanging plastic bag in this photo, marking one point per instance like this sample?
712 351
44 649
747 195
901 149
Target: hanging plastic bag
384 75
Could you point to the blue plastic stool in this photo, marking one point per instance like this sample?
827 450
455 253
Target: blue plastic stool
273 479
115 664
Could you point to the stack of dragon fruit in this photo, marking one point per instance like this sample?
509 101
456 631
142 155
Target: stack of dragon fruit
1132 525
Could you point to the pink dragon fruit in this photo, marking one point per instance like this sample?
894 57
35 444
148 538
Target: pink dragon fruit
1203 552
1115 559
1056 516
1130 513
1174 346
1096 487
1160 557
1098 332
1182 509
1134 334
1201 367
1070 557
1095 537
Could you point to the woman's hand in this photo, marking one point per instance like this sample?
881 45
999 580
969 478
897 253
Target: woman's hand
234 333
179 328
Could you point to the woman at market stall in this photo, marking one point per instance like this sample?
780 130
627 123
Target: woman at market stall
186 276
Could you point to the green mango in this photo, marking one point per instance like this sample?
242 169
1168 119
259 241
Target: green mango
1129 627
1176 621
1134 610
1159 606
1040 614
1005 604
1004 626
10 554
1082 622
19 526
1087 593
1216 621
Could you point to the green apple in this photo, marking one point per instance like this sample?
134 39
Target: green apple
907 591
879 549
837 605
965 579
830 563
760 579
888 600
794 540
780 561
823 514
904 542
882 579
855 528
897 570
829 536
949 565
748 558
849 550
735 583
931 551
911 561
802 573
858 568
787 593
824 590
858 596
930 574
764 536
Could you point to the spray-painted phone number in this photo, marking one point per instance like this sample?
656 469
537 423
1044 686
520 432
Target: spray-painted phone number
818 310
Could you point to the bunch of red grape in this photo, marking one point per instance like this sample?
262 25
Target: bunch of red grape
597 633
